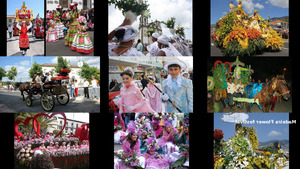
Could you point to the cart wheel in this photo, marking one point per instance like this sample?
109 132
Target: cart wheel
47 101
28 101
63 99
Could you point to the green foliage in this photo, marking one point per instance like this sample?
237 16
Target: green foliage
34 69
12 73
2 73
61 63
170 23
87 72
150 31
138 7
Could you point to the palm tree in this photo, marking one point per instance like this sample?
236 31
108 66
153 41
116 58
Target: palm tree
45 122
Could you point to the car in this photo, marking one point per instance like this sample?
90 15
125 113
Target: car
114 93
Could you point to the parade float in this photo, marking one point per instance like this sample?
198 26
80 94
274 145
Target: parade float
75 156
240 151
238 34
251 93
24 14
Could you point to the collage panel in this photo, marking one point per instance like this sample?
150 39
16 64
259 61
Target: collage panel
25 28
151 84
70 28
253 140
150 28
51 140
244 84
151 140
50 84
248 28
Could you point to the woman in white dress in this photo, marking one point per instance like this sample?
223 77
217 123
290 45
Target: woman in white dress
153 48
166 48
124 35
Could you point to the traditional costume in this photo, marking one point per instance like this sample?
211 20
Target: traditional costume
73 28
23 39
120 130
154 160
82 42
153 48
127 148
153 95
170 50
178 89
51 33
58 24
16 30
129 34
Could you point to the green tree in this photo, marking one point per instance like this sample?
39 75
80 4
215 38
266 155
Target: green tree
2 73
45 122
87 72
34 69
61 63
12 73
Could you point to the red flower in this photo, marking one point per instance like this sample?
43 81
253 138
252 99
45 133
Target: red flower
218 135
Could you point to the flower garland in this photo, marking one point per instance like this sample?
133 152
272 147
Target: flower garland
128 158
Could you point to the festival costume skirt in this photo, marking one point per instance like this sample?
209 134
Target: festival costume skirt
59 29
51 35
23 42
82 43
119 136
73 28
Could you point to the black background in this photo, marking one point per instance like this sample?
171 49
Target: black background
201 123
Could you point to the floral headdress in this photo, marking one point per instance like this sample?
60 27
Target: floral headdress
151 144
133 128
168 121
155 120
186 121
255 11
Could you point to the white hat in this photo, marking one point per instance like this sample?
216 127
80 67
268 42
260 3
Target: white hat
155 35
179 62
185 73
163 39
130 33
37 152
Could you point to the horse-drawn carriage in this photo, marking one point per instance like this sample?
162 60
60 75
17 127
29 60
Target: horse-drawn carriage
52 89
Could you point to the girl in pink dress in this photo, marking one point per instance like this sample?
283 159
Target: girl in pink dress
50 147
167 141
158 129
153 95
131 100
153 159
131 143
120 133
56 146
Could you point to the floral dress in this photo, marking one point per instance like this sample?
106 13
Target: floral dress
73 28
82 42
51 35
58 25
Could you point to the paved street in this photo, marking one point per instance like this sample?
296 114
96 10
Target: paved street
284 106
36 46
60 49
215 51
12 102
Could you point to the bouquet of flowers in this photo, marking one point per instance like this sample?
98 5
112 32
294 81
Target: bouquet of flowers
118 127
218 135
128 158
184 150
170 23
25 155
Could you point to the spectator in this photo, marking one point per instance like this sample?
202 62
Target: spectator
10 30
86 88
94 83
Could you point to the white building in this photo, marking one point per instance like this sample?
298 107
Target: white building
71 125
82 4
74 74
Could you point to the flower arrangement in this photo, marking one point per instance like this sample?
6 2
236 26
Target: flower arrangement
136 6
239 161
25 155
273 41
170 23
118 127
180 31
128 158
218 135
237 145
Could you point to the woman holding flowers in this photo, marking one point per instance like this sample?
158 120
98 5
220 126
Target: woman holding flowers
130 154
120 130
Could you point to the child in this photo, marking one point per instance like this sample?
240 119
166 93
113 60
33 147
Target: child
51 33
177 88
81 42
50 147
153 159
56 146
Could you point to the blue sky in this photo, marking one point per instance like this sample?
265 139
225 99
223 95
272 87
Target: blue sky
36 5
272 8
265 132
23 63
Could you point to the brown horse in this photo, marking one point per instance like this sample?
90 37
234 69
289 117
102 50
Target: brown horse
265 96
23 87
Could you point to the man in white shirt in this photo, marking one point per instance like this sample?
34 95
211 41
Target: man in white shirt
94 83
86 88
